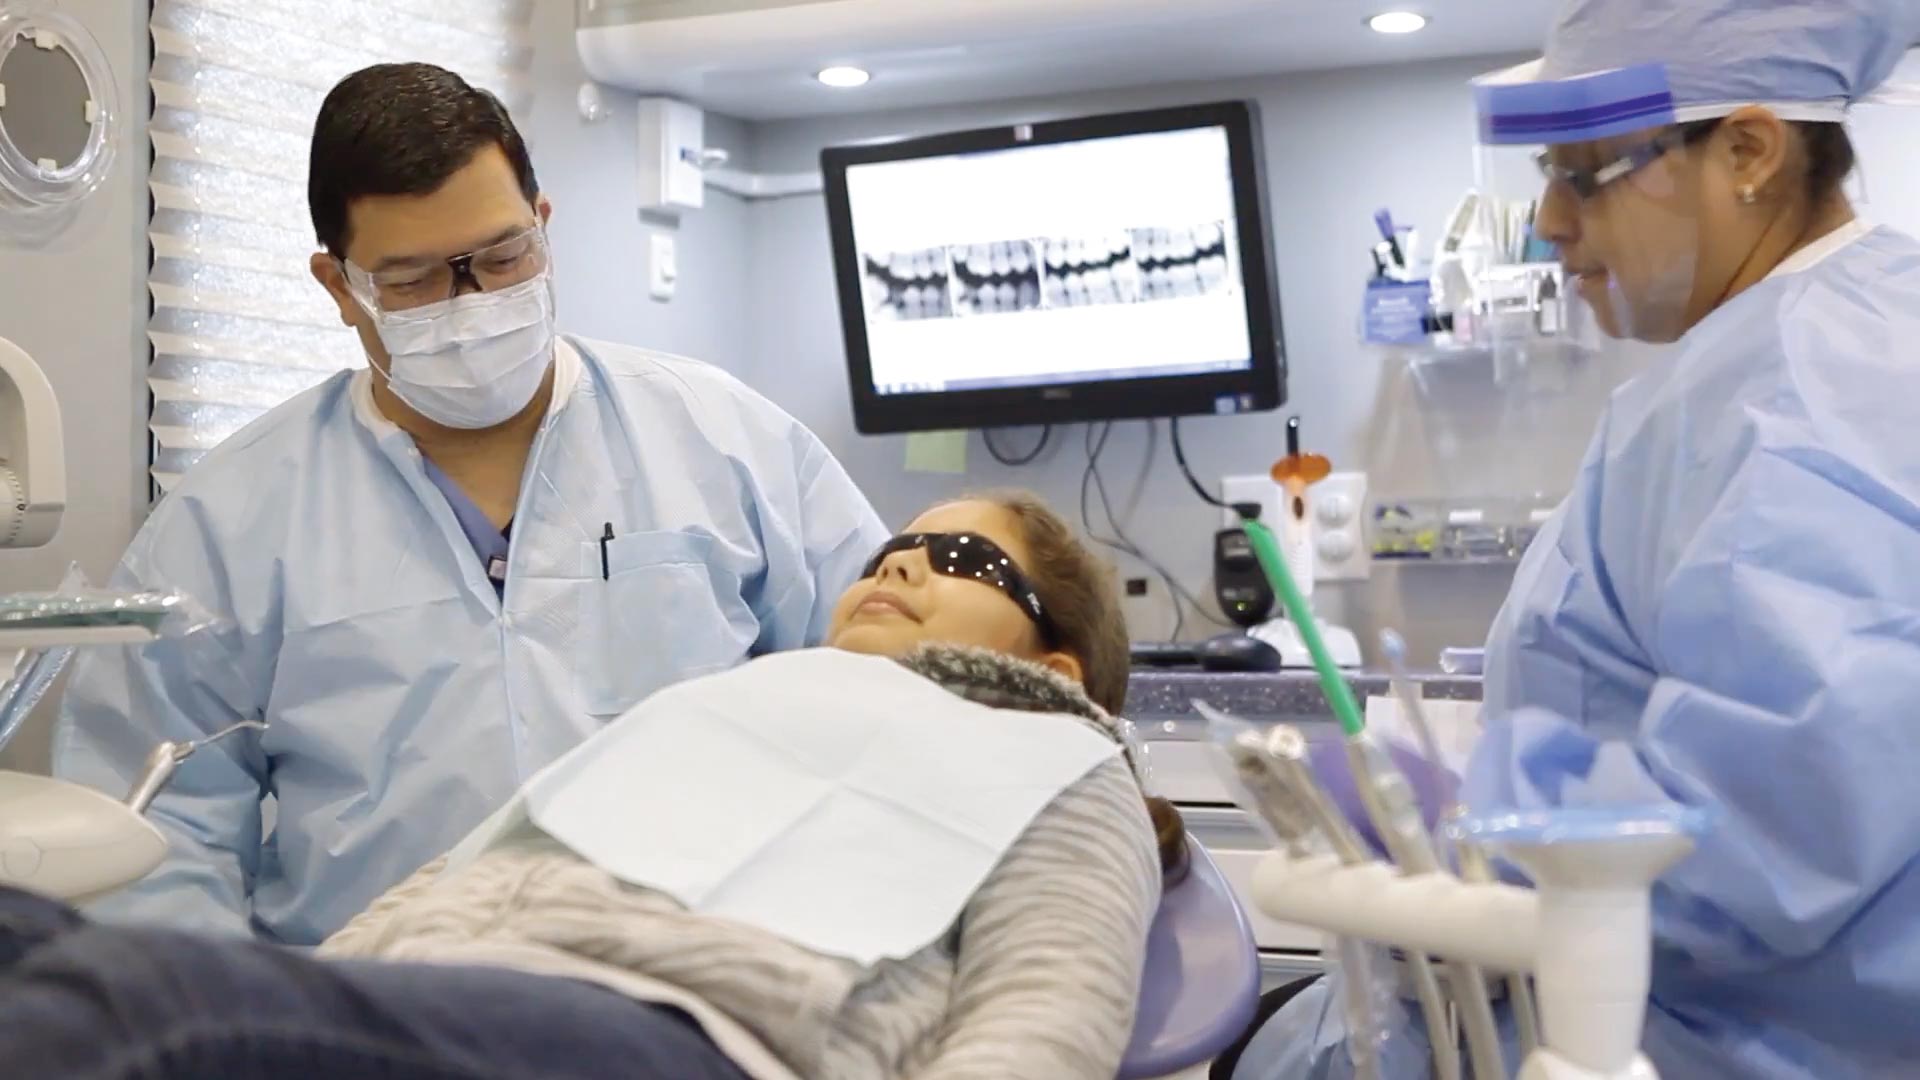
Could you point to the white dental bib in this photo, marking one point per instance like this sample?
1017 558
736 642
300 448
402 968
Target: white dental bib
839 801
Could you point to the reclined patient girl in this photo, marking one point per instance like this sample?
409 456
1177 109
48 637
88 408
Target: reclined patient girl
954 890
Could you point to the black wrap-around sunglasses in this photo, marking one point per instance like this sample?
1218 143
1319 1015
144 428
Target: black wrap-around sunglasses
972 557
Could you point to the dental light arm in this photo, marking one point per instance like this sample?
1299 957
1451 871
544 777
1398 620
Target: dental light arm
33 469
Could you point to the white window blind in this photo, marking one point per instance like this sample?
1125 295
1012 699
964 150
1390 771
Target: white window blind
239 325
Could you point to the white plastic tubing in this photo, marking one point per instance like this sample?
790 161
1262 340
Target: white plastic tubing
1493 925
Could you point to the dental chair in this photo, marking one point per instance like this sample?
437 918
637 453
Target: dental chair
1202 978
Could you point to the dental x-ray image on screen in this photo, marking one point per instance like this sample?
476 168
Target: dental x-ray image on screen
1182 261
907 285
1083 270
996 277
1107 266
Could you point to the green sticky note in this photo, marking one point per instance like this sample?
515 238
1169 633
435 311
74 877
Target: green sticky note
937 452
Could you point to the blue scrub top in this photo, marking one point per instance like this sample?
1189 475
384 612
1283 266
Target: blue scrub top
489 543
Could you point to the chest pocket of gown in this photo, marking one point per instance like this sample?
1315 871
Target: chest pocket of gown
667 611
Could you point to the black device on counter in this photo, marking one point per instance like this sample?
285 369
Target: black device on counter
1165 654
1239 584
1238 652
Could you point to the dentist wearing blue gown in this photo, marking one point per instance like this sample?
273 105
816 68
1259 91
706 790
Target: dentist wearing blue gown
1725 613
442 572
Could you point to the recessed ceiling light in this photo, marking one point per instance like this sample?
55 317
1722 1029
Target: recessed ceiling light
843 77
1397 22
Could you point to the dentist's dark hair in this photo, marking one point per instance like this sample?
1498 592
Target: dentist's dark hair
401 129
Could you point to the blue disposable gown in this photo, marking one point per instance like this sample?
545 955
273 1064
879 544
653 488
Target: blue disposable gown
405 699
1726 614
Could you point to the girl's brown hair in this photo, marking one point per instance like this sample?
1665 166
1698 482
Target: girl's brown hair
1077 589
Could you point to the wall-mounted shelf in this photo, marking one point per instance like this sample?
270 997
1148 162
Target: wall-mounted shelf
1454 532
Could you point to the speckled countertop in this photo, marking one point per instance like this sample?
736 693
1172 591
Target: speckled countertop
1155 694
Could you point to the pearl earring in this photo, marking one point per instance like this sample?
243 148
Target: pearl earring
1747 197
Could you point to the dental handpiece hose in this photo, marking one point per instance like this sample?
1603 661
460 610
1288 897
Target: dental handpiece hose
1345 709
1283 755
1332 683
1269 771
1392 807
1395 811
1287 752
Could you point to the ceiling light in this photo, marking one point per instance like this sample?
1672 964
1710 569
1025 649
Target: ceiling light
843 77
1397 22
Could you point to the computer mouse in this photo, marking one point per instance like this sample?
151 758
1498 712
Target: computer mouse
1238 652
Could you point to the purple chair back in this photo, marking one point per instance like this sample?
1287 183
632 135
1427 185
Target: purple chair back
1202 979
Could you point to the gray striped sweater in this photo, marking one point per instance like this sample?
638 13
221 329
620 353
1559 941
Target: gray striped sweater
1037 980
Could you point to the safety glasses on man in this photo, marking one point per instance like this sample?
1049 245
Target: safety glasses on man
403 283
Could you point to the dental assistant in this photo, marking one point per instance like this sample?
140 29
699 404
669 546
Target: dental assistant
1725 613
441 573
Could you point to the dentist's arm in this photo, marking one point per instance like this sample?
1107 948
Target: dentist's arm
121 702
816 546
1791 663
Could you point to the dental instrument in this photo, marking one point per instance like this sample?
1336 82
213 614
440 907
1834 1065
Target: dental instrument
1473 864
1390 804
1383 219
166 758
1260 771
1295 470
1284 753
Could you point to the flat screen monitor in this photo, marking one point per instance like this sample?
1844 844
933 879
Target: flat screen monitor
1105 267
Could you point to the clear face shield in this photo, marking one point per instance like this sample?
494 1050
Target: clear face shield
1575 242
1587 223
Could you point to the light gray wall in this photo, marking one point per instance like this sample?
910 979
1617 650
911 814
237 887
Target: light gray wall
591 172
78 305
1339 145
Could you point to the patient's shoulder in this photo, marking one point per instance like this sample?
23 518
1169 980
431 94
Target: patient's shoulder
1099 820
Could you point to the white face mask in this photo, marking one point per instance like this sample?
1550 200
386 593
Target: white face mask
473 361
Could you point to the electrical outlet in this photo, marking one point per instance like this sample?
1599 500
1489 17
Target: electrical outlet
1337 508
1336 521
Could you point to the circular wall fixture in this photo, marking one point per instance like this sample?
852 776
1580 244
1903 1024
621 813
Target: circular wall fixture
57 110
